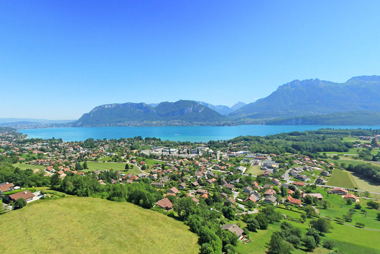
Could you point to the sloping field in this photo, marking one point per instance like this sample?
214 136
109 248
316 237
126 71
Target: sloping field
28 166
341 178
254 170
90 225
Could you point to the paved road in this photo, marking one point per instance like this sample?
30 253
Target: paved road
236 193
329 186
287 177
249 212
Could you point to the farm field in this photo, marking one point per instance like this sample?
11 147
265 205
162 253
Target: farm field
28 166
254 170
90 225
341 178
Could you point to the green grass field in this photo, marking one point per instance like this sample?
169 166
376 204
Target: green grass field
90 225
254 170
365 184
341 178
28 166
353 240
351 151
92 166
351 139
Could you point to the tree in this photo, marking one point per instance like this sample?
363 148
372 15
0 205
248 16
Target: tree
20 203
126 166
359 225
336 157
78 166
253 225
293 240
314 233
228 212
1 195
55 181
284 191
85 165
349 201
303 216
278 245
262 220
309 242
184 207
373 205
296 194
378 216
310 212
322 225
327 244
358 206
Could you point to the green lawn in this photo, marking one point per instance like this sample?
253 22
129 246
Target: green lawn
28 166
90 225
341 178
92 166
254 170
352 240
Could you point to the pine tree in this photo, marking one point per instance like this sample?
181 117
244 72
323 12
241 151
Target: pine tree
85 165
126 166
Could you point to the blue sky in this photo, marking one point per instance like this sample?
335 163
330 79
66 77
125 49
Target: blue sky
60 59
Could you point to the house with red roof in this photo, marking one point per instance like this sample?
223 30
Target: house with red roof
350 196
293 201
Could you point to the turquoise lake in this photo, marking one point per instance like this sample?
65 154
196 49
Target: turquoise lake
185 133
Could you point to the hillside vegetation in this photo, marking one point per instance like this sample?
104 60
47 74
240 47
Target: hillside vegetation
91 225
342 118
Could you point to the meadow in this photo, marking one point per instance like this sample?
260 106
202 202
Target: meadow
92 166
91 225
254 170
341 178
28 166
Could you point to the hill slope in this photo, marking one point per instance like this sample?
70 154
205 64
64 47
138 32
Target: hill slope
166 113
342 118
91 225
314 96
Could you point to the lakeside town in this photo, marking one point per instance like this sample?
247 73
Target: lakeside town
226 175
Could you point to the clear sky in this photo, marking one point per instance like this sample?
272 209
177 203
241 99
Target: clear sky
60 59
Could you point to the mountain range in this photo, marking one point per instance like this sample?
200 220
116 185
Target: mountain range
312 101
182 112
313 97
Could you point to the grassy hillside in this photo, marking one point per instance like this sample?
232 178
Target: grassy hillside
89 225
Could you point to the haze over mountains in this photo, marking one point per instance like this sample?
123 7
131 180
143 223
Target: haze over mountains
312 101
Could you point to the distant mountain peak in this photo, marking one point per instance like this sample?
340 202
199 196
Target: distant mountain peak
365 78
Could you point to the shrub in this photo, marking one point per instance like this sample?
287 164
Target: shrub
20 203
327 244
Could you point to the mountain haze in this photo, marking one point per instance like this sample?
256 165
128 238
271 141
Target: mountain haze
314 96
222 109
